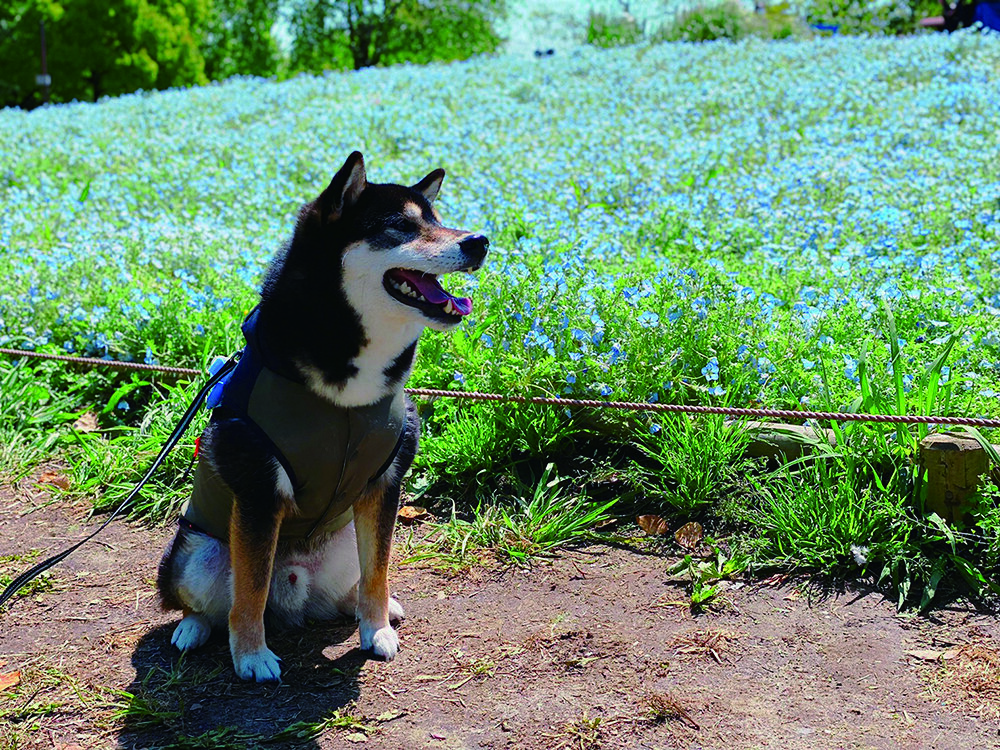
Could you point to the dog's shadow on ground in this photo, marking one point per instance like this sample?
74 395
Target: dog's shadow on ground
196 700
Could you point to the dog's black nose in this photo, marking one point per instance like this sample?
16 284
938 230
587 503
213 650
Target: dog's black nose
475 247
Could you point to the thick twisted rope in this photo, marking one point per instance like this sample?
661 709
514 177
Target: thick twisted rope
728 411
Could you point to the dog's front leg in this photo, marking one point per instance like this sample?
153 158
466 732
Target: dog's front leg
374 521
253 539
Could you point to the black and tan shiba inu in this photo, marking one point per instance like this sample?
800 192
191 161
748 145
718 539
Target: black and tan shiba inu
298 481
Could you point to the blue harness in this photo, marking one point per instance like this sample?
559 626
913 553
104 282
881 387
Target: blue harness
330 453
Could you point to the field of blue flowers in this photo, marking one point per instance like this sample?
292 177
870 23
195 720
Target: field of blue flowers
716 223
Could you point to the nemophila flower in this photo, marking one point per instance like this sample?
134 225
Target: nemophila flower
711 370
807 364
851 368
649 319
654 429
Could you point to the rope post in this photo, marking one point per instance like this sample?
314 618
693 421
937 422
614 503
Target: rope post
955 466
784 442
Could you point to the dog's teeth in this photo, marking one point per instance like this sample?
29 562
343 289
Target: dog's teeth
422 298
449 308
404 288
413 293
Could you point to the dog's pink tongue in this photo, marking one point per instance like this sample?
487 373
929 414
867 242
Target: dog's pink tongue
428 286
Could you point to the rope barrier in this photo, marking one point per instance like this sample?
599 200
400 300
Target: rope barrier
112 364
572 402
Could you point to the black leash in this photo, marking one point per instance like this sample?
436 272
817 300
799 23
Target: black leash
23 579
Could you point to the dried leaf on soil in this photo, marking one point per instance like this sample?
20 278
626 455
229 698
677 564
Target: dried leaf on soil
55 478
689 535
412 513
652 525
10 680
928 654
86 423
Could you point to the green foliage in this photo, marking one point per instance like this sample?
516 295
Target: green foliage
237 39
613 31
706 23
541 516
731 20
100 47
865 17
36 403
690 464
704 573
109 47
331 35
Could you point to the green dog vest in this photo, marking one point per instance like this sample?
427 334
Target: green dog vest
330 453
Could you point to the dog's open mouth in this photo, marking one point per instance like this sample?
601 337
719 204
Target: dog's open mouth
423 291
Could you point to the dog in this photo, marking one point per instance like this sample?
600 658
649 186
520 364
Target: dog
300 468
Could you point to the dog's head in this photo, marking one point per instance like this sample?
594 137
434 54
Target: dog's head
393 247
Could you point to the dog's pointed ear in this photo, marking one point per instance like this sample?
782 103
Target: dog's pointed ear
344 189
430 186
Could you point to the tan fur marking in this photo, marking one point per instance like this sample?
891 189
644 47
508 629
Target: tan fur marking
252 566
373 554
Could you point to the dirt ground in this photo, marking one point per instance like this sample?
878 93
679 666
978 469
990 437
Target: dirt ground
594 649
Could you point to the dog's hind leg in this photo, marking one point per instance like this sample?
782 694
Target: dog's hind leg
191 632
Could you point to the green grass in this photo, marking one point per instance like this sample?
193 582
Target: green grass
534 520
14 565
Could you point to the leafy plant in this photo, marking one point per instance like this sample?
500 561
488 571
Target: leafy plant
543 516
690 464
703 573
604 30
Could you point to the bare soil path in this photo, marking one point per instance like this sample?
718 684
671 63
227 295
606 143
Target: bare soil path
594 649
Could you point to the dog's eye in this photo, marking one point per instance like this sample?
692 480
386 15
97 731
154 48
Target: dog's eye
400 224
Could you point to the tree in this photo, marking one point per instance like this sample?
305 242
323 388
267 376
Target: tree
238 39
362 33
103 47
20 49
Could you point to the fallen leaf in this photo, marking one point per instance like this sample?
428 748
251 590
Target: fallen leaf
689 535
86 423
928 654
652 525
10 679
412 513
389 716
54 478
356 737
436 736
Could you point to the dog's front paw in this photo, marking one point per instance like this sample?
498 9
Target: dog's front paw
261 665
191 632
383 642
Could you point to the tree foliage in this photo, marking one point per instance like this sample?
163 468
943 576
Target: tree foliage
238 40
332 34
108 47
102 47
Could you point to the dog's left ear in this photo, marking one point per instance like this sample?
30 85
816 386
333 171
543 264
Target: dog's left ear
344 189
430 186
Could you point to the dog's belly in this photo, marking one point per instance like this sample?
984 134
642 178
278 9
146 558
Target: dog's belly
320 583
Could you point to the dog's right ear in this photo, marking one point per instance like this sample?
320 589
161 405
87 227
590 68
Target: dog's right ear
344 189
